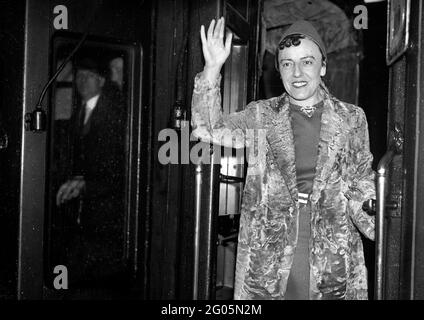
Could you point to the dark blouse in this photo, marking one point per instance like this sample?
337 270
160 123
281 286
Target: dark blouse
306 132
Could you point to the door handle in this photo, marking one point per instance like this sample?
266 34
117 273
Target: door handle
381 205
230 179
369 206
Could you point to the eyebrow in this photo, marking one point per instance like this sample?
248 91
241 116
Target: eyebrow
303 58
307 57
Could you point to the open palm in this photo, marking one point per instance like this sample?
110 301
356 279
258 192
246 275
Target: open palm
214 50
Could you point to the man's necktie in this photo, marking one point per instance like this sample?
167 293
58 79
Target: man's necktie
83 111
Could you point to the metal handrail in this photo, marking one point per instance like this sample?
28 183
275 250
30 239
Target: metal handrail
395 148
382 173
198 202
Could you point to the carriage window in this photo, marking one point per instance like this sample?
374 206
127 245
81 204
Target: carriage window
89 218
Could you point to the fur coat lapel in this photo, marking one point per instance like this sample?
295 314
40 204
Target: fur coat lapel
330 142
281 142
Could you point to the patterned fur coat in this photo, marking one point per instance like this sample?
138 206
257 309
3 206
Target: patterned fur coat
269 216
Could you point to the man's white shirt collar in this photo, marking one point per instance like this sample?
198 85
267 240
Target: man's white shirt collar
89 107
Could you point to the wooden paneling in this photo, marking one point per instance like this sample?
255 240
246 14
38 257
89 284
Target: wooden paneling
171 22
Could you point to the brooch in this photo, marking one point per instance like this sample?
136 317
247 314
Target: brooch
309 111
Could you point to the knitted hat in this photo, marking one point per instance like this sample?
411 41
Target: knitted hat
307 29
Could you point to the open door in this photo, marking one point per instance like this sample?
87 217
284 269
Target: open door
400 204
213 181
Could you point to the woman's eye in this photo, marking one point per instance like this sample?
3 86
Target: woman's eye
286 64
308 62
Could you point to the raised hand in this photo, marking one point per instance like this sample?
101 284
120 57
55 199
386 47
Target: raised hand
70 189
214 50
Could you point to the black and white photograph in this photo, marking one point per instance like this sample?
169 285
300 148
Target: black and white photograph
195 155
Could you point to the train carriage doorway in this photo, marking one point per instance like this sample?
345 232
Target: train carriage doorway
357 73
217 220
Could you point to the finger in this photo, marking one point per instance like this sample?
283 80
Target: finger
222 29
210 29
205 49
228 43
202 34
218 28
80 186
73 184
73 189
59 194
65 196
74 193
66 192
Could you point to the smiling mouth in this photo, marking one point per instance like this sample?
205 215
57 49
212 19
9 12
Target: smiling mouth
299 84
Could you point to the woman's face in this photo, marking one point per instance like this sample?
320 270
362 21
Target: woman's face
301 69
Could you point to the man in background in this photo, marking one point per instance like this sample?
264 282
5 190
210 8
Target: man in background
95 191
